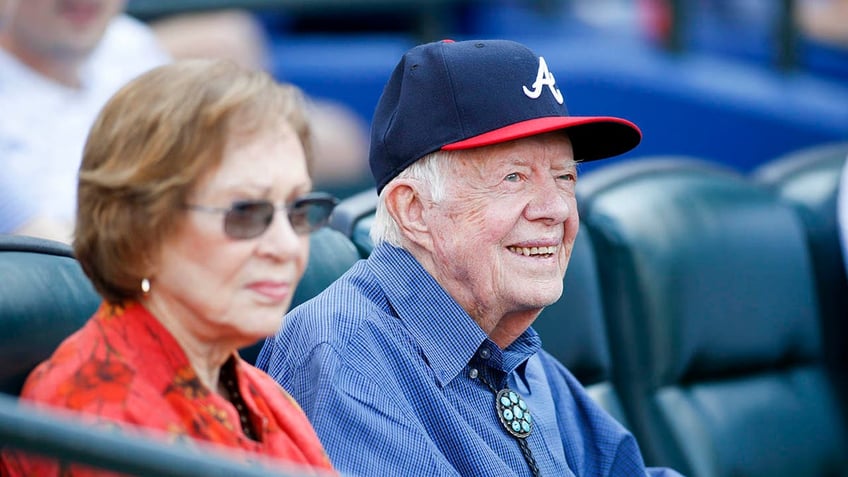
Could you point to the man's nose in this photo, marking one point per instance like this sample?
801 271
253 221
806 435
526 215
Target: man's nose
549 202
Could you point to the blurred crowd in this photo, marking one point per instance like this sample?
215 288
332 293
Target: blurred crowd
61 60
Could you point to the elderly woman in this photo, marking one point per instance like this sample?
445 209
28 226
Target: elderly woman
183 175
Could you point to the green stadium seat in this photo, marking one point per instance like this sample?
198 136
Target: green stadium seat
44 297
809 180
709 293
353 217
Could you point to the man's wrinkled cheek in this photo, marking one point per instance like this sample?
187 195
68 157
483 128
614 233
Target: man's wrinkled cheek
469 215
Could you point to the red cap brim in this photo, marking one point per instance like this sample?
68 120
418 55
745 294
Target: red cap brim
592 137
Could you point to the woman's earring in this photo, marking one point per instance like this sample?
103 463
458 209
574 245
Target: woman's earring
145 286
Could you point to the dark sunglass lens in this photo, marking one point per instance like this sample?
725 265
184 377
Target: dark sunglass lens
247 220
310 214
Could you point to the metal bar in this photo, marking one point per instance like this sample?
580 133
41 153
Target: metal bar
675 42
59 436
786 37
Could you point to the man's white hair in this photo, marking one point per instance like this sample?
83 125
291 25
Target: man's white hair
430 170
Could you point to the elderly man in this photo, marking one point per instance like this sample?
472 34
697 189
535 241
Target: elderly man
421 359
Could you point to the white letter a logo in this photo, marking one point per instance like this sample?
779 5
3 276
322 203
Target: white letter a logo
543 78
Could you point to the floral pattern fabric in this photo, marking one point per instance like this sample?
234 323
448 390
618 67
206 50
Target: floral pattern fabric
123 366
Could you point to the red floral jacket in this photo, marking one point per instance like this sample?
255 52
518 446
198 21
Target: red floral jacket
124 366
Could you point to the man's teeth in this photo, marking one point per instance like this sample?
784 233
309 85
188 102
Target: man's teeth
527 251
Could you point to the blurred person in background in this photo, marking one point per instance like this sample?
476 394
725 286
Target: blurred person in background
193 222
60 60
340 135
231 34
825 21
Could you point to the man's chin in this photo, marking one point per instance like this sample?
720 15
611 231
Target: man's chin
542 300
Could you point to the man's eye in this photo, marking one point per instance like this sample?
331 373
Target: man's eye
514 177
569 177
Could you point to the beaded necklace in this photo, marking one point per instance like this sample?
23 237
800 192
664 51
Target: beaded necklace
228 379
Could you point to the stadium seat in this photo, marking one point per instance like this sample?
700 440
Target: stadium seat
353 217
330 255
44 297
809 180
712 314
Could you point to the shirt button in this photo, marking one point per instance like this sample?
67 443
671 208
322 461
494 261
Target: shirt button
485 353
472 373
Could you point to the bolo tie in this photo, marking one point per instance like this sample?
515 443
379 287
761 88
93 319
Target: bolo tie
512 412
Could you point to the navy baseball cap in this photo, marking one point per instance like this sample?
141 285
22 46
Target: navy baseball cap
461 95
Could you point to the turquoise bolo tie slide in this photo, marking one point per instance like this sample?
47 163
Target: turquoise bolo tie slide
513 413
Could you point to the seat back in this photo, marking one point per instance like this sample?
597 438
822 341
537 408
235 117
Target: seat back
809 180
712 315
44 297
353 218
330 255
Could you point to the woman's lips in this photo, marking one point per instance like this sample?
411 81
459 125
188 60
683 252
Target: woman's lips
276 291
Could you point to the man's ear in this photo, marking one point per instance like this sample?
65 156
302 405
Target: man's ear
407 206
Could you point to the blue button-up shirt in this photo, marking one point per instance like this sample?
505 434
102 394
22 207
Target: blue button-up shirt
382 361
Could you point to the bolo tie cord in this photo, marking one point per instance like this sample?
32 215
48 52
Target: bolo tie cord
520 437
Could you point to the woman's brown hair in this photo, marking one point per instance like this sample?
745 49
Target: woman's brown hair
149 147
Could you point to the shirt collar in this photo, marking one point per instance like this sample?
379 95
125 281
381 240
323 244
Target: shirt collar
450 339
527 344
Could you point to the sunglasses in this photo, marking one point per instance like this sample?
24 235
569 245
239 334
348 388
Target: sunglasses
247 219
